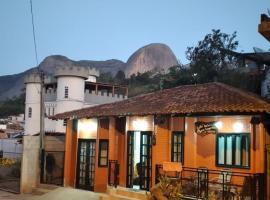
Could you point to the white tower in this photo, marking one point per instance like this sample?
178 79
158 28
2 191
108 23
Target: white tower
70 90
32 103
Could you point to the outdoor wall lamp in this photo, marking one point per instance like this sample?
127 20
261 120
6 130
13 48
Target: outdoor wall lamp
238 127
88 125
219 125
140 125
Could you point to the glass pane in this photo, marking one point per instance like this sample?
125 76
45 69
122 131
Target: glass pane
103 153
245 150
174 157
221 145
103 145
229 150
103 161
175 148
238 150
175 138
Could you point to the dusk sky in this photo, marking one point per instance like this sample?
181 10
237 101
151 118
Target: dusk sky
114 29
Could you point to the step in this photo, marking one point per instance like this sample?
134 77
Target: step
120 197
137 194
43 189
104 196
127 192
39 191
48 186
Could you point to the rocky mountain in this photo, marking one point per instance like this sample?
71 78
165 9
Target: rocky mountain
150 57
153 56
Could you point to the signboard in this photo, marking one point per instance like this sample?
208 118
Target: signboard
205 128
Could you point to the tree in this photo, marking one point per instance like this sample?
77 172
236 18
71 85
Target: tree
106 77
212 55
120 77
13 106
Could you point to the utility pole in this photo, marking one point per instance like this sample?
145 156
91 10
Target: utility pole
42 113
42 132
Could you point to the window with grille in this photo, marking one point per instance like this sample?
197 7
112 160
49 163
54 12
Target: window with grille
177 146
233 150
103 153
29 112
66 92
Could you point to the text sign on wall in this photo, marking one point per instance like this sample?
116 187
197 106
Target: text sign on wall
205 128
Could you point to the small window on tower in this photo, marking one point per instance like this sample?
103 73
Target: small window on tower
29 112
66 92
65 122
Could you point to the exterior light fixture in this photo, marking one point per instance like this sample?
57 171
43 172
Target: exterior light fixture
139 125
238 127
88 125
219 125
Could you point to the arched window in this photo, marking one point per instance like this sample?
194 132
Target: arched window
29 112
66 92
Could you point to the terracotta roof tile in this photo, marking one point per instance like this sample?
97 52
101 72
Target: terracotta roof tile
188 99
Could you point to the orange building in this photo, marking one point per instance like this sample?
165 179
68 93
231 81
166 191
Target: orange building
213 131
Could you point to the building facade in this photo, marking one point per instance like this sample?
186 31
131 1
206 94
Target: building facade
69 88
216 133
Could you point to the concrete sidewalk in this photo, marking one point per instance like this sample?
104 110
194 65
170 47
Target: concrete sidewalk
61 193
64 193
10 196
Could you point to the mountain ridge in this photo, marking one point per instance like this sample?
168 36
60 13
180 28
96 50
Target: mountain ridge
155 56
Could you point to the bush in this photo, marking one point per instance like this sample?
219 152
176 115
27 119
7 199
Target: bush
166 189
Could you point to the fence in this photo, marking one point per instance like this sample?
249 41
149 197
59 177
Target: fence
10 164
113 178
202 183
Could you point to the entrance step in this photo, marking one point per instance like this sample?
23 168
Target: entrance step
43 189
121 193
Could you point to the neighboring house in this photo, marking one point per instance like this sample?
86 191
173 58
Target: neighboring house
264 26
68 89
206 126
17 118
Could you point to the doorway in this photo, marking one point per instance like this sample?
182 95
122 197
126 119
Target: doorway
139 154
85 175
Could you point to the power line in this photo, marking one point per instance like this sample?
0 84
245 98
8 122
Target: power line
33 29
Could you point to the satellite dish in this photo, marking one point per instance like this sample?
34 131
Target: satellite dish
258 50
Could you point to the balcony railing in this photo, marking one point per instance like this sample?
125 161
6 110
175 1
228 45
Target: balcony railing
113 177
202 183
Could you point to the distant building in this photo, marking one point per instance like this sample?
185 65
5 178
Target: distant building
68 89
17 118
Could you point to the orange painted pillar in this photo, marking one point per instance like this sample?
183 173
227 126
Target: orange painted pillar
112 140
70 156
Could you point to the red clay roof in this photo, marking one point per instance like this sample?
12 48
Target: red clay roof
188 99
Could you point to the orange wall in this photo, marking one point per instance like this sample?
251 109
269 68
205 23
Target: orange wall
161 151
101 173
199 151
